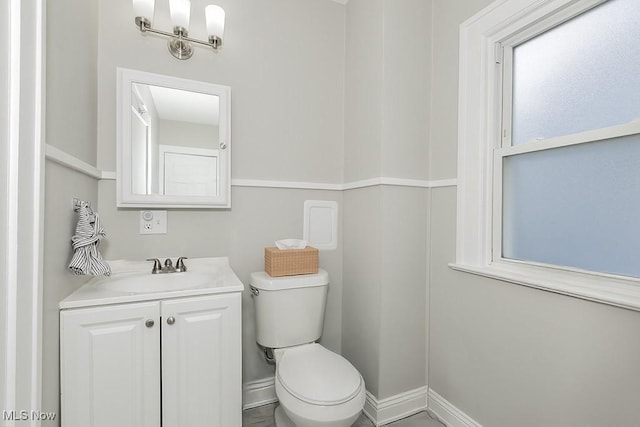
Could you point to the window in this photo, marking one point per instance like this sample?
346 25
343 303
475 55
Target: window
549 147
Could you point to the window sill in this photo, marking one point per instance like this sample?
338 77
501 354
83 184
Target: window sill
609 290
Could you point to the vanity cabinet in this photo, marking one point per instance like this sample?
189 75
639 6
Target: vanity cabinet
170 363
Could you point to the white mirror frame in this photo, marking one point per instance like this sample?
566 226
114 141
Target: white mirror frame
125 197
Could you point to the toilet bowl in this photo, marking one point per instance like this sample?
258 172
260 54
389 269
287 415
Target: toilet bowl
317 388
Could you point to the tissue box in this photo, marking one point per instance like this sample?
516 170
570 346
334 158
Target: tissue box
291 261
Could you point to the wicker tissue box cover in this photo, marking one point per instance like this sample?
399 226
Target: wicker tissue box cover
291 261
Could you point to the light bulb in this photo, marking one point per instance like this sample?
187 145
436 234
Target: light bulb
180 11
144 9
215 20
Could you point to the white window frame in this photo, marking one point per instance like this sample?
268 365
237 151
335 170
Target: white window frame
485 43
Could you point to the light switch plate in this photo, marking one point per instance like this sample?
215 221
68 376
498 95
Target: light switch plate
153 222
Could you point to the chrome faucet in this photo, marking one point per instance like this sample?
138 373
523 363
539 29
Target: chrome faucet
180 267
168 266
157 268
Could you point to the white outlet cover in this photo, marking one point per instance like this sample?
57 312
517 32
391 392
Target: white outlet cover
153 222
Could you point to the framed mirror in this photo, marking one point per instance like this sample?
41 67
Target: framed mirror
174 142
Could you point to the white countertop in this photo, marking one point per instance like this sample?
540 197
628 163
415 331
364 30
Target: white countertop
97 291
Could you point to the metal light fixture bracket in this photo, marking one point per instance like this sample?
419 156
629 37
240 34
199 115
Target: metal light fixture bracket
179 44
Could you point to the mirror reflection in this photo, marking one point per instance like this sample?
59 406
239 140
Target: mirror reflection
174 142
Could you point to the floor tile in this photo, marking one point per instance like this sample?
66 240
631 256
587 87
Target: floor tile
262 416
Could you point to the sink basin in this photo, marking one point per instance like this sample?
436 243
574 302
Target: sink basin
132 281
147 282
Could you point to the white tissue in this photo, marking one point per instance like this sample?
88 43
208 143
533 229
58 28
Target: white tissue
291 244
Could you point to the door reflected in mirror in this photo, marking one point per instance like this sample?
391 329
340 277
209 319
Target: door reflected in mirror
174 141
173 146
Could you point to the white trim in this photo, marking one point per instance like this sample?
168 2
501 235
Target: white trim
258 393
448 413
57 155
594 135
479 142
380 412
23 63
566 281
439 183
372 182
125 198
37 297
396 407
10 241
236 182
65 159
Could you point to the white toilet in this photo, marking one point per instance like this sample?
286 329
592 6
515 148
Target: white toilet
315 387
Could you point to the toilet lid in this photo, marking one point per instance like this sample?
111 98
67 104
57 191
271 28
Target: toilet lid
318 376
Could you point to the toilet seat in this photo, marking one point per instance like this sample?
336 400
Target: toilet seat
317 387
318 376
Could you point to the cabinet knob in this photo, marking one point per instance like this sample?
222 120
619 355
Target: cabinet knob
171 320
149 323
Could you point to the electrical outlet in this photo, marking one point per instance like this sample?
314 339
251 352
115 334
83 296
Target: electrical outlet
153 222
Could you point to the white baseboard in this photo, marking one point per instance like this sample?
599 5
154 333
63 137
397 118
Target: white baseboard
447 413
393 408
258 393
380 412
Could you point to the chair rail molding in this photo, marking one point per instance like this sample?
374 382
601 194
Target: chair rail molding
68 160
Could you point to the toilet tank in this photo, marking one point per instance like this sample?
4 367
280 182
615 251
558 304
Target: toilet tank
289 310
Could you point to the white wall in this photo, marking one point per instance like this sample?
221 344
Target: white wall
284 61
506 354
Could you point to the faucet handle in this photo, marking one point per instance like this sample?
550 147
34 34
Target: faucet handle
157 267
180 264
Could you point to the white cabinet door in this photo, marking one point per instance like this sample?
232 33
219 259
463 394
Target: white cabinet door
202 362
110 366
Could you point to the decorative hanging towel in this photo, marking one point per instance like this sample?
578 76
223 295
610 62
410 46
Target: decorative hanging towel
86 257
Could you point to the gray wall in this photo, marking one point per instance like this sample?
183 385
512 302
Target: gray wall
62 185
172 132
386 227
258 217
506 354
71 103
284 61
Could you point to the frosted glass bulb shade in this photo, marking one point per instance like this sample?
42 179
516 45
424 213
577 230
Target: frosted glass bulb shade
180 11
144 9
215 20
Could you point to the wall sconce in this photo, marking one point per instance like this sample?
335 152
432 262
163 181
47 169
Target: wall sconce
180 10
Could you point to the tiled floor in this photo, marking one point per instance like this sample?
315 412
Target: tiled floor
263 417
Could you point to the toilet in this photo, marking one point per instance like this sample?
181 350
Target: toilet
315 386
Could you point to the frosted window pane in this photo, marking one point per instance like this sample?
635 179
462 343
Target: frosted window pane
576 206
581 75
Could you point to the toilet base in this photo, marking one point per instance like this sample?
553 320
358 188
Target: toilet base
281 419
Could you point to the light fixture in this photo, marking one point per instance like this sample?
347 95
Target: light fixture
180 12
